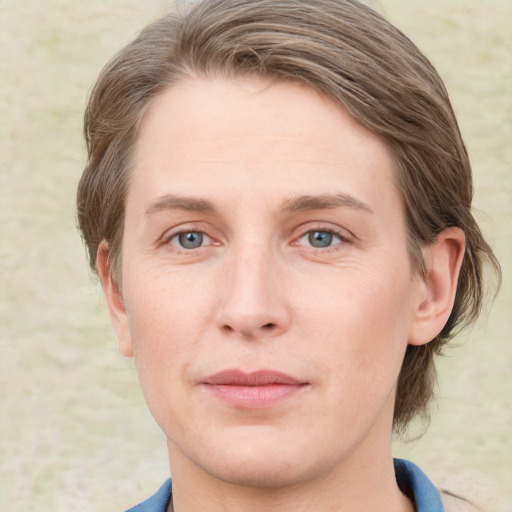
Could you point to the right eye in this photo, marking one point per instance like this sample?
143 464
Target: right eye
190 240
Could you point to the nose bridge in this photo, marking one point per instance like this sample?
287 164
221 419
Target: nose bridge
252 303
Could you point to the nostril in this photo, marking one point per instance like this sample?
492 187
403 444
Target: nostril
248 331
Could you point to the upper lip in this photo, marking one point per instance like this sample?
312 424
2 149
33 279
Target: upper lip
255 378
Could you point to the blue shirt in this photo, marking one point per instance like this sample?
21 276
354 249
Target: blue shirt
411 481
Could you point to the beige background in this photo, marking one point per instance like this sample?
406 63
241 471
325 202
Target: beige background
74 431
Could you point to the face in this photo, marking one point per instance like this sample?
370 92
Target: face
268 296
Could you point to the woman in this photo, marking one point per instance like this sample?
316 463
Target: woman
277 203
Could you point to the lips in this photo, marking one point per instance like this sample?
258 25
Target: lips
255 390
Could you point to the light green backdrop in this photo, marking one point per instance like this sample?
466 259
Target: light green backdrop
74 431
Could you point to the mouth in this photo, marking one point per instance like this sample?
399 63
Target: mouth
254 390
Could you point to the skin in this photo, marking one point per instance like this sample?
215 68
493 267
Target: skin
256 168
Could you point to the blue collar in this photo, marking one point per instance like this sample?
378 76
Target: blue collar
417 487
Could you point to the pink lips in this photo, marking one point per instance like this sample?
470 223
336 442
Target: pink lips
253 390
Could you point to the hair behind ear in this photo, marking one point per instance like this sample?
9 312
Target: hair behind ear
442 264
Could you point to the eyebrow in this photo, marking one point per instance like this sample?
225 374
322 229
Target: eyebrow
324 202
172 202
295 204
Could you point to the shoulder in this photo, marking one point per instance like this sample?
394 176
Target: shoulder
453 503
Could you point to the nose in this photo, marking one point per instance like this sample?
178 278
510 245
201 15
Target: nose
252 296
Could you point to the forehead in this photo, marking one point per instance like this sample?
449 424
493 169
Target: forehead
254 135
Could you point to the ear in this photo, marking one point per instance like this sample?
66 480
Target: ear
114 298
443 260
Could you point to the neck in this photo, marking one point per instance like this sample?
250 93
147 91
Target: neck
359 485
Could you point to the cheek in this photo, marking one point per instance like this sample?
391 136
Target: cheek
364 323
166 308
168 318
167 322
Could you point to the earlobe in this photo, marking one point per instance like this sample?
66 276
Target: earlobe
443 260
115 304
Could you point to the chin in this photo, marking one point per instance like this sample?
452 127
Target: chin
261 461
254 473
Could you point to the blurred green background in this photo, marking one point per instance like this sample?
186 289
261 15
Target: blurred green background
74 430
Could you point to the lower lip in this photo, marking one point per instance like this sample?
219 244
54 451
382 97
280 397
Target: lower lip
254 397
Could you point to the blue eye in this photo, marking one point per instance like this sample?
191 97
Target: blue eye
320 239
189 239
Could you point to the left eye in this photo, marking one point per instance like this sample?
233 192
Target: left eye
320 239
189 239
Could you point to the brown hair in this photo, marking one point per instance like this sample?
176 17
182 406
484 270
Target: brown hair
347 52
